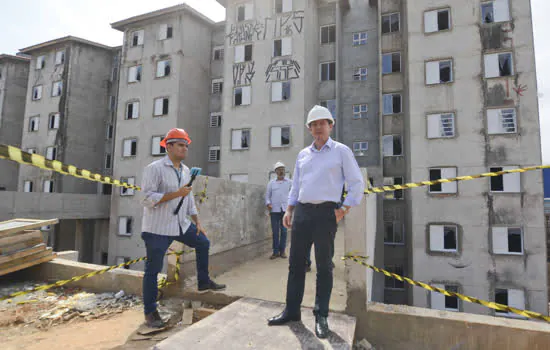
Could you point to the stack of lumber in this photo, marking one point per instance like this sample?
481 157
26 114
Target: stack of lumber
22 244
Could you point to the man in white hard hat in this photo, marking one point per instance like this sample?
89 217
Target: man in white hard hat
314 210
276 200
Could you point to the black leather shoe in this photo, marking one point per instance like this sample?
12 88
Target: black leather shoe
211 285
283 317
321 327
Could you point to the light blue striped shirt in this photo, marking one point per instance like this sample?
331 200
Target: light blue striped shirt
276 194
160 177
319 175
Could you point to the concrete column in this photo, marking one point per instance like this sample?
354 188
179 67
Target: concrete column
78 236
359 228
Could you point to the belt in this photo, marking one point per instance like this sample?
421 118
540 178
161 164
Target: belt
332 205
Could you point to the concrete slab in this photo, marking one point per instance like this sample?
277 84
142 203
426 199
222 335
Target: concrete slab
266 279
243 325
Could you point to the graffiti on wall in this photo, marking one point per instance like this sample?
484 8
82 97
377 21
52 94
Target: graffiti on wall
282 69
288 24
284 25
520 89
243 73
246 32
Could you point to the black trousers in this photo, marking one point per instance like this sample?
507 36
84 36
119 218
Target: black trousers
312 223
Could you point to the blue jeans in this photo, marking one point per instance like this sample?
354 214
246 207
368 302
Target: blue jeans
279 232
156 247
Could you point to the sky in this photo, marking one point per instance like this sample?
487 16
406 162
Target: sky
28 22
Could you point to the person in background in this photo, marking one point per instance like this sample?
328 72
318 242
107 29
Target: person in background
314 210
276 199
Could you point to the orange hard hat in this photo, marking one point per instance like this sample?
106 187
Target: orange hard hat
176 135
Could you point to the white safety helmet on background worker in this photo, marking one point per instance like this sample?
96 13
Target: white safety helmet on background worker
278 165
318 113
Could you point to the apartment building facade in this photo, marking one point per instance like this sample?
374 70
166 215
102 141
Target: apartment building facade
14 76
215 107
473 109
281 58
165 82
66 111
420 90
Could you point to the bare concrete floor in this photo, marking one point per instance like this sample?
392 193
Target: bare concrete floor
241 325
266 279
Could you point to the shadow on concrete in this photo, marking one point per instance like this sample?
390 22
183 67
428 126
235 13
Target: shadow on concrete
308 340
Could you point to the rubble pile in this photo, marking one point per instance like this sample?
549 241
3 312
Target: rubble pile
44 309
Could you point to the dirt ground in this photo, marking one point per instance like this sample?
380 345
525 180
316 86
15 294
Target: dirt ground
92 335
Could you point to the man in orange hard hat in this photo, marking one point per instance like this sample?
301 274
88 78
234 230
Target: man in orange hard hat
163 184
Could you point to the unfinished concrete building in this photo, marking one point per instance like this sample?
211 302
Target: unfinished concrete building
282 57
14 75
70 100
165 82
380 66
67 111
473 109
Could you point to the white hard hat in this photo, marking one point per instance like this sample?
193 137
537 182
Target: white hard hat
317 113
278 165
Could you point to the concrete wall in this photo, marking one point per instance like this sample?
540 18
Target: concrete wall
233 216
83 106
360 230
360 18
398 327
193 110
216 72
89 82
474 208
52 205
14 74
394 211
110 121
257 161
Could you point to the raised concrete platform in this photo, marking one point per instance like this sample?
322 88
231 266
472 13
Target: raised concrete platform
243 325
262 278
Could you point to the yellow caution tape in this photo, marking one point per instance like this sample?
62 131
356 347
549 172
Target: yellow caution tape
162 283
22 157
451 179
500 307
202 194
17 155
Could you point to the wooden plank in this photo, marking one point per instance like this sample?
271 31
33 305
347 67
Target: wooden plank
16 225
27 264
25 259
20 246
22 237
21 253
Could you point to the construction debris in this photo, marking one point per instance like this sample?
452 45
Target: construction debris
363 345
21 246
60 305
